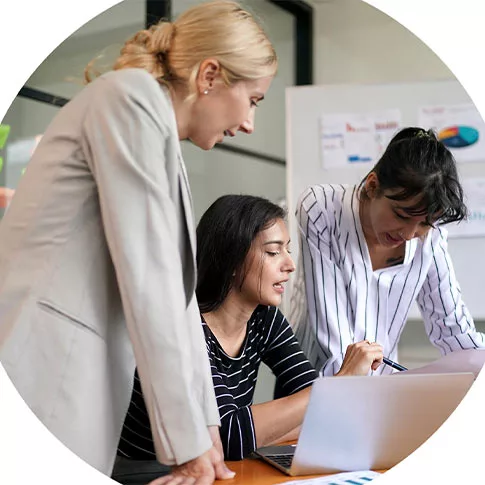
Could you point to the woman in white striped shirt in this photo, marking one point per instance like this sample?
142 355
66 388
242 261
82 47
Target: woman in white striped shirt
369 251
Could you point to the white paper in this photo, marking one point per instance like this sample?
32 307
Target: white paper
457 124
474 226
350 139
357 478
386 124
470 360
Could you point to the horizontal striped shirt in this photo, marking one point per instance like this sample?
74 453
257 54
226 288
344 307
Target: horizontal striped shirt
268 339
338 298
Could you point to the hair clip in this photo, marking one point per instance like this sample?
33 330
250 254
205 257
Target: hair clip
422 133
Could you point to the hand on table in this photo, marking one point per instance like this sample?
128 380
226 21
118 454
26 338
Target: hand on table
6 195
360 358
202 470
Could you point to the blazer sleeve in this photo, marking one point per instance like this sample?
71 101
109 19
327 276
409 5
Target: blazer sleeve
124 137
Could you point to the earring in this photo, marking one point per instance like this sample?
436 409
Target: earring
206 91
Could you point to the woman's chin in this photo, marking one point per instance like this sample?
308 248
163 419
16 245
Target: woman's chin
390 242
205 144
273 301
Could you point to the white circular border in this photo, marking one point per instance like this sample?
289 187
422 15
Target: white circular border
454 30
30 30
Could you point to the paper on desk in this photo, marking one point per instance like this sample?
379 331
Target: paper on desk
471 360
348 478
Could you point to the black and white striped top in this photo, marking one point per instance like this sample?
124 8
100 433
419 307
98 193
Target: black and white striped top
269 339
338 299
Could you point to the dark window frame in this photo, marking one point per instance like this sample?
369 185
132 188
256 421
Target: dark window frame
158 9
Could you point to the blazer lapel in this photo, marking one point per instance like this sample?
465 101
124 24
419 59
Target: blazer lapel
190 275
188 204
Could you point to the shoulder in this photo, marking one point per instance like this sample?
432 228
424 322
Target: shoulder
267 319
323 205
433 249
324 196
130 80
132 85
437 236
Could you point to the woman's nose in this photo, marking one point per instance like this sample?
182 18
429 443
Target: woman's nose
289 264
248 125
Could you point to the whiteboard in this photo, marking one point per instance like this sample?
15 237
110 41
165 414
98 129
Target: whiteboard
304 107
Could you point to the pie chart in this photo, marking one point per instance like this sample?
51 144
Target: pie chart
458 136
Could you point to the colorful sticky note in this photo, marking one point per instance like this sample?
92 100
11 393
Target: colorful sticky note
4 131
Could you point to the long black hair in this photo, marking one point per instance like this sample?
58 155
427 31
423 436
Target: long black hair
416 163
224 237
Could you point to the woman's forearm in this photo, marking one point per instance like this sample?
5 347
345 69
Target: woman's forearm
279 420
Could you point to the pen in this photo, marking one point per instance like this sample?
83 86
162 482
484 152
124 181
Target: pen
393 364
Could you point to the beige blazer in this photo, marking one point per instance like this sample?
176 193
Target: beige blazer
97 271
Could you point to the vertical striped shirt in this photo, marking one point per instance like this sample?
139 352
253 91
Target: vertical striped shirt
268 339
339 299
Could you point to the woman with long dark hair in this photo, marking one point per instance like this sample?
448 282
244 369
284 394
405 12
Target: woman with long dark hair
244 262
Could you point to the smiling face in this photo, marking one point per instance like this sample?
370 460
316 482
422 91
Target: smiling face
267 266
388 222
224 110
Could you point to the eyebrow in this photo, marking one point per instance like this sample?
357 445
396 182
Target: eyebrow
412 210
281 243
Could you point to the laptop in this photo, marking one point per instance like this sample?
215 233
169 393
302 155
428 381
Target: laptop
364 423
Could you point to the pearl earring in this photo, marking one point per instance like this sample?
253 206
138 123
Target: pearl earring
206 91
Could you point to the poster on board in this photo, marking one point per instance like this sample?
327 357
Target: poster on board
460 127
350 139
474 226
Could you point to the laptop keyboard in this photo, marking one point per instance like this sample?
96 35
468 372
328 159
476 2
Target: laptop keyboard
283 460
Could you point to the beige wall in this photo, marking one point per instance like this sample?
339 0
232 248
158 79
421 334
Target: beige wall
356 43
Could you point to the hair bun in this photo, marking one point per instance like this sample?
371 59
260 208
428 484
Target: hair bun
156 39
219 29
161 37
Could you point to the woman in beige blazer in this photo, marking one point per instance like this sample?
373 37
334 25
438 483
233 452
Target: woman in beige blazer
97 267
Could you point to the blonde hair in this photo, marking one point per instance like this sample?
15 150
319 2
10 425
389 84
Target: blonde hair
221 29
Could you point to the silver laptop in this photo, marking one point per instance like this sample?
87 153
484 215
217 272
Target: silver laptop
364 423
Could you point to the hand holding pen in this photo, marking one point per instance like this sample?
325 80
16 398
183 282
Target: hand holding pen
364 356
360 358
388 361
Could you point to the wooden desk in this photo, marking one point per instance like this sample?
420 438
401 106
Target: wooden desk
253 471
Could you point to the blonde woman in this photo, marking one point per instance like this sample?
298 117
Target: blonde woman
97 250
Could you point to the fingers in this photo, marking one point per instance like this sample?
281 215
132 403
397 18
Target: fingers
365 347
361 357
203 480
220 468
376 364
374 352
222 472
174 480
